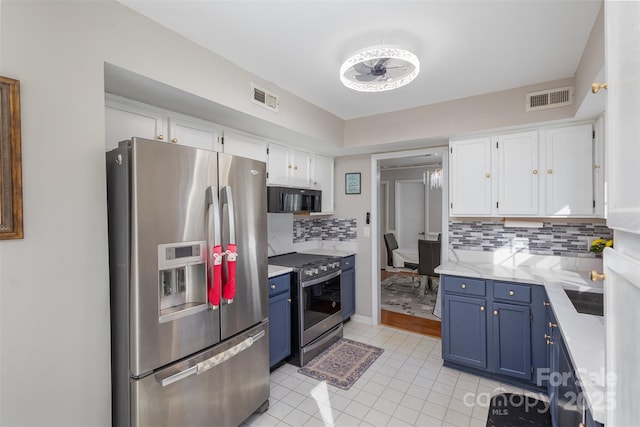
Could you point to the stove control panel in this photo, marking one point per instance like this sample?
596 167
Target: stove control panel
320 268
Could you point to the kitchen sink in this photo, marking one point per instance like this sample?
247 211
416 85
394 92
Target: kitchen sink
586 302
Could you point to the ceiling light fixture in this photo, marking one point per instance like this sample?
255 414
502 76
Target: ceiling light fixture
379 68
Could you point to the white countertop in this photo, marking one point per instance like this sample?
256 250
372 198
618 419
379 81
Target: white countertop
329 252
277 270
583 334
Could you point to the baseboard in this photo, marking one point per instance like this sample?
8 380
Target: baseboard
362 319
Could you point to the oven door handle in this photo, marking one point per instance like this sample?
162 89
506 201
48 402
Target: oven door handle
321 279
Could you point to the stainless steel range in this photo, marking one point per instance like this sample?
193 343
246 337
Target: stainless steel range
316 297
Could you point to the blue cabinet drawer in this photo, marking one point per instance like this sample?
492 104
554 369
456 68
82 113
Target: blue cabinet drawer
512 292
348 262
279 284
464 285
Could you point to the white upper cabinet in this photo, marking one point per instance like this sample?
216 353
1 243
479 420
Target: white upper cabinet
245 146
193 133
288 166
124 121
518 177
278 164
471 177
569 171
550 172
125 118
322 179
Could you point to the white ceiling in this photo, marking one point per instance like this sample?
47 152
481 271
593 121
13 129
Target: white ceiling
466 48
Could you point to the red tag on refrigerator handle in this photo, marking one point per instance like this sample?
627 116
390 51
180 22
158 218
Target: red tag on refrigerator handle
229 285
215 275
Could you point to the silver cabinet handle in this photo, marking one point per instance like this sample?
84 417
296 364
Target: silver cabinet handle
511 293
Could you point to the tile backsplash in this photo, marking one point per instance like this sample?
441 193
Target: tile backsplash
565 239
308 229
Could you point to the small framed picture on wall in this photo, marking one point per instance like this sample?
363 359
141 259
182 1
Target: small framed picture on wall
352 183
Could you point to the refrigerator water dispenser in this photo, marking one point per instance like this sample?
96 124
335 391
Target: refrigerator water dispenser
182 279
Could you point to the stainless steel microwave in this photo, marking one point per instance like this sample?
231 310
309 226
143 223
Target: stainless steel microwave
287 199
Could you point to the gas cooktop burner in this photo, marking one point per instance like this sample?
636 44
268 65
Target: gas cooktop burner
296 259
307 266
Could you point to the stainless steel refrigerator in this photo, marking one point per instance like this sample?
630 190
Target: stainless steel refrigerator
188 277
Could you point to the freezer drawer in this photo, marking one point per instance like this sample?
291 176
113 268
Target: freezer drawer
220 387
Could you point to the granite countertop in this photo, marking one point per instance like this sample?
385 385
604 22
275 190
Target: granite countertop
583 334
277 270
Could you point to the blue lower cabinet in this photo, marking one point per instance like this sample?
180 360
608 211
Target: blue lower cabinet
490 325
348 287
511 330
464 330
279 318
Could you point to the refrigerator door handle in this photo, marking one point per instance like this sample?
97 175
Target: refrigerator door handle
177 377
231 251
227 199
214 249
219 358
213 216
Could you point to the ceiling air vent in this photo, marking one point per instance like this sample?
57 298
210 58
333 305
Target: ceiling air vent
551 98
262 97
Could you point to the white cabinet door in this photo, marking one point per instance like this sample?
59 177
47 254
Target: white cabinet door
193 133
299 173
518 178
569 171
622 33
470 177
598 167
245 146
323 179
278 164
126 121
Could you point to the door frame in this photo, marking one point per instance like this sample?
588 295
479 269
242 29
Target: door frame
443 152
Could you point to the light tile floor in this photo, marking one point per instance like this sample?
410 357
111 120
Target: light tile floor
406 386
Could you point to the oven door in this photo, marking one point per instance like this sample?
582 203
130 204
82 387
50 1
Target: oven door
320 306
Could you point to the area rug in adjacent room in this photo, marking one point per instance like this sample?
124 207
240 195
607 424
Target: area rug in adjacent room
515 410
342 363
397 294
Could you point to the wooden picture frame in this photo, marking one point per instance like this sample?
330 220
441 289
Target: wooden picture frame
352 183
11 226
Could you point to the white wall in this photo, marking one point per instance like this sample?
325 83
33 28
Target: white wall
54 298
356 206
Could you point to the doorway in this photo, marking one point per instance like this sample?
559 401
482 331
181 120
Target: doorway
418 211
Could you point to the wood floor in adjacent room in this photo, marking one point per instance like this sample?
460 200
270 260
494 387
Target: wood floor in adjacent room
407 322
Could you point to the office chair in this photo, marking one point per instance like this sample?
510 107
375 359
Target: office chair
392 244
428 259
